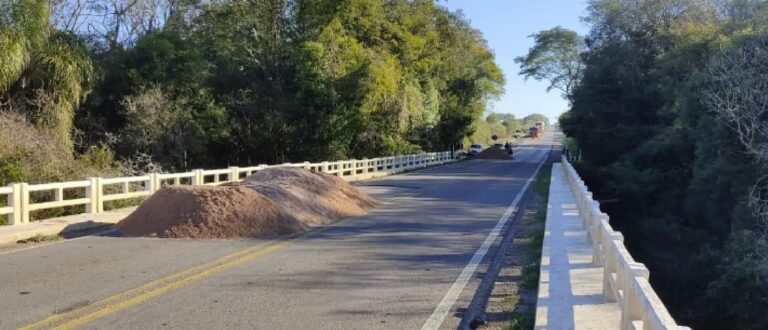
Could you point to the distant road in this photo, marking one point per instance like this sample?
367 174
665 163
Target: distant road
390 269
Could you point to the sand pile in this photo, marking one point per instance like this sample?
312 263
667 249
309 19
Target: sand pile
494 153
311 197
276 201
209 212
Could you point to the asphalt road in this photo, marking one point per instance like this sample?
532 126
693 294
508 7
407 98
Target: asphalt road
387 270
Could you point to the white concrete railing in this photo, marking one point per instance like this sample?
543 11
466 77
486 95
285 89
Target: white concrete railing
625 281
96 191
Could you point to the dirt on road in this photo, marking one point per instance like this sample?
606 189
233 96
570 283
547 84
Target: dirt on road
493 153
311 197
272 202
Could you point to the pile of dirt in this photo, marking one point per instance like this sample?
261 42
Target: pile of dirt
311 197
209 212
272 202
493 153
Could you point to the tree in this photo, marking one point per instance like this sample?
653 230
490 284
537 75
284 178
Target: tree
555 57
534 118
737 81
667 89
47 72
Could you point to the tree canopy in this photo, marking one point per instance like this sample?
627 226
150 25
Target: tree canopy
194 84
668 93
556 58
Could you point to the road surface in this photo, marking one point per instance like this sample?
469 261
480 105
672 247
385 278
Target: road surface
396 268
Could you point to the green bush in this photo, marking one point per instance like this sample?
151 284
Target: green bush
523 322
530 275
11 172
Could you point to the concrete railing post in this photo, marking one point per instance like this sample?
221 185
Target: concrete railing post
154 182
324 167
198 179
353 169
631 309
14 202
19 201
94 192
598 250
234 173
610 264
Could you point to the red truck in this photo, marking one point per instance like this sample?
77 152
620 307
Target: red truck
533 132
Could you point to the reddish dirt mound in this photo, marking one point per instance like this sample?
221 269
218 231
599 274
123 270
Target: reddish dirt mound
275 201
209 212
312 197
494 153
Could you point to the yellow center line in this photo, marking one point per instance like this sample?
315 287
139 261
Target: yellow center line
161 290
143 287
149 290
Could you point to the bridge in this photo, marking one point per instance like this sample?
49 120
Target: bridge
427 259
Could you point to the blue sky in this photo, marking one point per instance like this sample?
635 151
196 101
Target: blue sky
506 24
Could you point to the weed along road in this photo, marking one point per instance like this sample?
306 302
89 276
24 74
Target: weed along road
413 263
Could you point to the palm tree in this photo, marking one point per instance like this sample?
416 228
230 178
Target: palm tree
47 69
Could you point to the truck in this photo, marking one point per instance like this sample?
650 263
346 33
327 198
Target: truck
533 132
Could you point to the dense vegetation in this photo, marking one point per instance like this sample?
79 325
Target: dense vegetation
669 111
87 84
504 126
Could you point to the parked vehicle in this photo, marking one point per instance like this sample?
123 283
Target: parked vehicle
475 149
498 145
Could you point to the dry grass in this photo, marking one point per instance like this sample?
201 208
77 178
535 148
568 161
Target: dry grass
516 290
32 154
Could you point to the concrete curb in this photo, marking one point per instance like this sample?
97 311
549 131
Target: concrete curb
61 225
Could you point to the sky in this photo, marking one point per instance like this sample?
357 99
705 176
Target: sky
506 25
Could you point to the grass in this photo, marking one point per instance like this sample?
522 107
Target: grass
529 277
541 185
511 301
42 238
537 239
523 322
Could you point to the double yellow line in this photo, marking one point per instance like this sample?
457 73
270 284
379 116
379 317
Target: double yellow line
112 304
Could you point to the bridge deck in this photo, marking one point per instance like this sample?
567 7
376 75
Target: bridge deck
570 286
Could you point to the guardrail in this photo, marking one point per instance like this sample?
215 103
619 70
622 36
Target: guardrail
625 280
24 198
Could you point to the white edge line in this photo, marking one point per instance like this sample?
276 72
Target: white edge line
444 307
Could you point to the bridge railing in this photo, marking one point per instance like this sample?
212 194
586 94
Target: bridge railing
625 280
91 195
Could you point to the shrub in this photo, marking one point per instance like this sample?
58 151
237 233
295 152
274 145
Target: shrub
34 155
